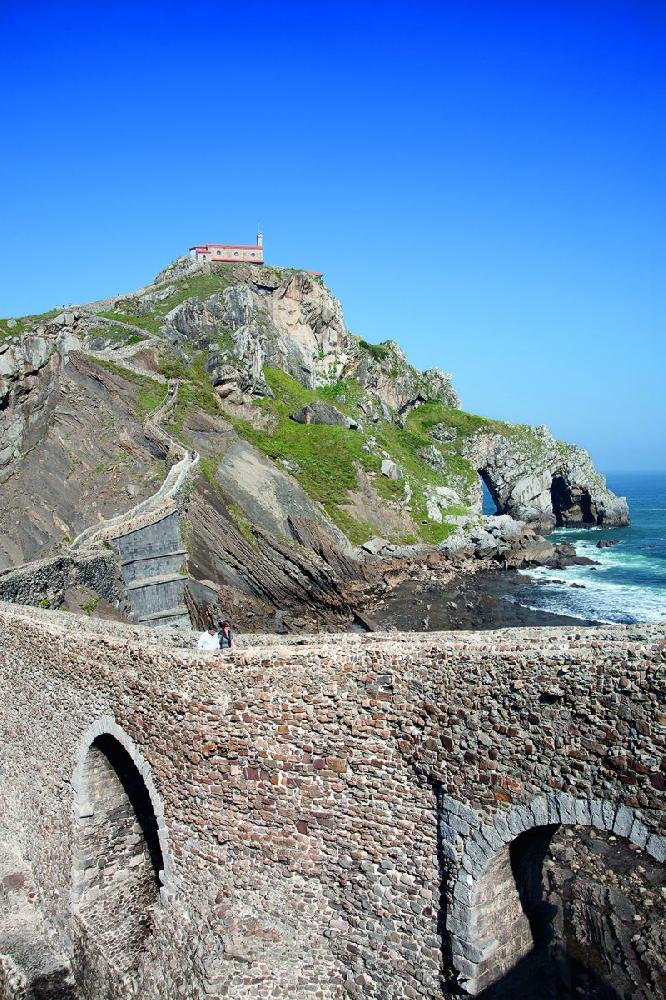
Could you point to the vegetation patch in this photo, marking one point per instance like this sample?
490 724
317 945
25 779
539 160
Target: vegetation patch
149 314
379 352
24 324
242 523
88 607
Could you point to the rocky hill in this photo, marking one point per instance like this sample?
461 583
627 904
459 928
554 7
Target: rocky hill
325 464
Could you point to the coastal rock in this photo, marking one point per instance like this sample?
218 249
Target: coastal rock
30 369
535 478
292 322
607 543
499 538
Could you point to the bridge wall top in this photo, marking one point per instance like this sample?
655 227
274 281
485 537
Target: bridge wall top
300 781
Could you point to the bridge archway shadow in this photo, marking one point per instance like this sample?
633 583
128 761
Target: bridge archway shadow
550 910
527 922
118 865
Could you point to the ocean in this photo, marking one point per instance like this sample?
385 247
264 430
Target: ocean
629 584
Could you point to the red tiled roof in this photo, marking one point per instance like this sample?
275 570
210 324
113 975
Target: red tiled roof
227 246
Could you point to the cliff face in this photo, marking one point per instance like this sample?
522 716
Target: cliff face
313 442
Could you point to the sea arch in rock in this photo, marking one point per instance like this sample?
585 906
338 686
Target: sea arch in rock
121 862
497 915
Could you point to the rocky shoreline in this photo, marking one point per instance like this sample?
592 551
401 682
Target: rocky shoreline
482 600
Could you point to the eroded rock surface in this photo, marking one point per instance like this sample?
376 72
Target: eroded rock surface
535 478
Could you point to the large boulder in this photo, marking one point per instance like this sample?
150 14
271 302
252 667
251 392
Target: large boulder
323 413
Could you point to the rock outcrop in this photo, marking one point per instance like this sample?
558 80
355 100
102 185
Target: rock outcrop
323 413
535 478
290 320
501 539
29 371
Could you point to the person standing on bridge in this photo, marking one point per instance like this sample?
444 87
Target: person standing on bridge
224 634
209 639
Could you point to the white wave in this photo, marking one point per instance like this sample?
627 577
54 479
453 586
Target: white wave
601 600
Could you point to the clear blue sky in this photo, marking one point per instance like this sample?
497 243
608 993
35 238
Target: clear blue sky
483 182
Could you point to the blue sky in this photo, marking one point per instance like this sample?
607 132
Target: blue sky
482 182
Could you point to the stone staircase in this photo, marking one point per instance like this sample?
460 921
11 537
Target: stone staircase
151 559
147 538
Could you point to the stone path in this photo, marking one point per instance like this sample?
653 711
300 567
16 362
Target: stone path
147 537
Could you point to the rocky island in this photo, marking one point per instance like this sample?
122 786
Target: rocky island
328 468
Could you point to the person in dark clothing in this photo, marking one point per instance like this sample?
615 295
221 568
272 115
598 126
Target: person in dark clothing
225 634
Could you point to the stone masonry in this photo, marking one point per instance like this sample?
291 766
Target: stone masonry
313 819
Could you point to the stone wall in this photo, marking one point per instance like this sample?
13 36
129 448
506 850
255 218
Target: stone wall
45 581
328 815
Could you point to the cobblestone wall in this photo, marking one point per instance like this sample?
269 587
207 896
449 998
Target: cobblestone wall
327 811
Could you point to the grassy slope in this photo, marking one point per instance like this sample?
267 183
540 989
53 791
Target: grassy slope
196 285
26 323
328 457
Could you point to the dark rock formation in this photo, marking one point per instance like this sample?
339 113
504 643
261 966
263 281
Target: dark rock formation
323 413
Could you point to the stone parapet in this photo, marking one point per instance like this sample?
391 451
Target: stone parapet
326 807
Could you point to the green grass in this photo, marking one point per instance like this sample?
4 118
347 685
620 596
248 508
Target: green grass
242 523
150 394
329 456
195 390
379 352
26 323
116 334
151 317
90 606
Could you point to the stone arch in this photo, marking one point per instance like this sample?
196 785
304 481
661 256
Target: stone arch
121 861
485 943
489 483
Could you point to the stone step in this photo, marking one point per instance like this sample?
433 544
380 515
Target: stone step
157 564
155 581
155 555
164 617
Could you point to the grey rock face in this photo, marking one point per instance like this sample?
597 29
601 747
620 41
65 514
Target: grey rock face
323 413
29 372
391 470
499 538
433 457
292 322
270 497
535 478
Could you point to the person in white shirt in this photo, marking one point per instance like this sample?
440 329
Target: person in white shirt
209 640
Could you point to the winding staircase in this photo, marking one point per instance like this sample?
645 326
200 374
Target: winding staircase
147 538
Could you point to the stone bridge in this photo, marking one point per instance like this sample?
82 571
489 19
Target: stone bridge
406 816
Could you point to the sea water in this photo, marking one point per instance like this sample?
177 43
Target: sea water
629 584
